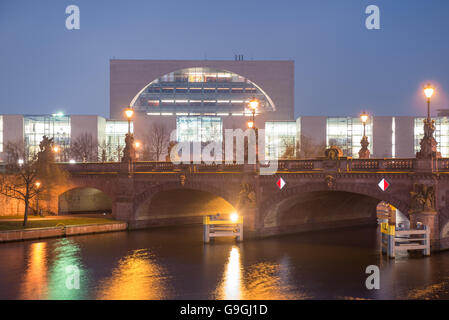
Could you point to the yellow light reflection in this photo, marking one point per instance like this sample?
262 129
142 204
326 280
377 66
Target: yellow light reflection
232 286
261 281
35 279
136 277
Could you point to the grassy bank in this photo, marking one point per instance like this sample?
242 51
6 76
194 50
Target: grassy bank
17 225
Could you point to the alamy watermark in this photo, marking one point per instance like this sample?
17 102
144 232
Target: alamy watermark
72 22
72 280
238 147
372 22
373 280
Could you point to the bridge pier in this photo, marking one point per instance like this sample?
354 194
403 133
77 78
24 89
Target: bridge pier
430 219
250 225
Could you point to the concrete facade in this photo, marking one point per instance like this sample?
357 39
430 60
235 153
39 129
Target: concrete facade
87 124
12 131
275 78
382 137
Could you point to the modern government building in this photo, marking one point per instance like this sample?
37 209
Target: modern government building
202 98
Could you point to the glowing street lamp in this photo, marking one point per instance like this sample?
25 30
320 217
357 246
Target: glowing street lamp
129 152
37 184
428 143
234 217
55 149
129 112
254 104
364 118
137 144
364 151
428 91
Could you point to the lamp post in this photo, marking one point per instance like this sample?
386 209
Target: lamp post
428 91
56 150
364 151
129 152
37 184
428 143
253 105
129 112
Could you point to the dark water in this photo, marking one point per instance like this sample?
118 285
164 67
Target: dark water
173 263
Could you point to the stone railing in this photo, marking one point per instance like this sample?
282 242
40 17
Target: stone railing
344 164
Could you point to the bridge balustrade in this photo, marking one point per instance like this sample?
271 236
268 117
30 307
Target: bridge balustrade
320 164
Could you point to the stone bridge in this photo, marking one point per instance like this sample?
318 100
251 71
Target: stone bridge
318 194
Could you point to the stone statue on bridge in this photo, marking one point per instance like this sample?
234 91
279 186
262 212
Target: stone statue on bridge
247 193
129 153
422 198
333 153
428 143
45 154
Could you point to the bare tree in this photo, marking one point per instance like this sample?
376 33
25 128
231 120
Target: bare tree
14 152
84 148
36 175
307 149
289 148
156 142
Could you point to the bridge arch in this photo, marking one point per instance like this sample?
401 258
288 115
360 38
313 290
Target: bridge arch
175 200
345 198
84 200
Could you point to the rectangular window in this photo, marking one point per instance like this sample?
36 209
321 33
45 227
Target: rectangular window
346 133
199 129
280 139
53 126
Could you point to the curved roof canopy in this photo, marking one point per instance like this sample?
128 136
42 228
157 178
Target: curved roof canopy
201 90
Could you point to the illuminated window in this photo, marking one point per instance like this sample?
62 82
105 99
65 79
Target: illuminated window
346 133
53 126
199 129
115 133
280 139
205 88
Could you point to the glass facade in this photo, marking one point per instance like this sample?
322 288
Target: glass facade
53 126
199 129
114 143
280 139
346 133
441 134
200 90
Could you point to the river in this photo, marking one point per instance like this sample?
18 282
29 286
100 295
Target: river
173 263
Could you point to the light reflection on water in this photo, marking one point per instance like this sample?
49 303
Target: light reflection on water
262 281
136 277
34 285
173 263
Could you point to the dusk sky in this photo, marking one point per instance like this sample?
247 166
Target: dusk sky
341 68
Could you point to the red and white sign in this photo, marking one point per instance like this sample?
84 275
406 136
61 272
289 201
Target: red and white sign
383 184
280 183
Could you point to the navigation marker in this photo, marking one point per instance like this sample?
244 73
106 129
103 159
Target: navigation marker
280 183
383 184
